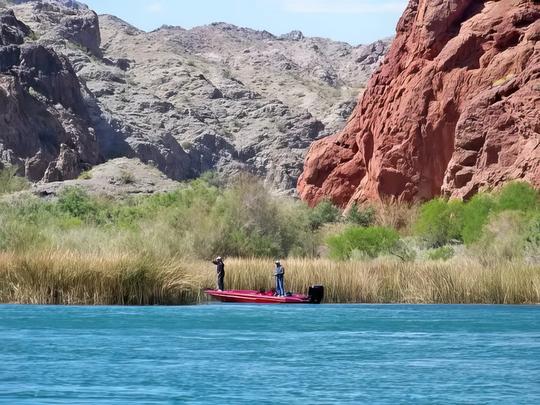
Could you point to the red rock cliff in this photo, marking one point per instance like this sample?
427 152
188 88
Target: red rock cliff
455 107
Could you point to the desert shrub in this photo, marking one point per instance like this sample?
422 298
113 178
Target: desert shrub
361 216
397 215
478 212
440 222
475 216
503 237
10 182
186 145
86 175
519 196
212 178
244 219
403 250
443 253
241 217
126 177
370 242
532 231
323 213
197 220
77 203
532 238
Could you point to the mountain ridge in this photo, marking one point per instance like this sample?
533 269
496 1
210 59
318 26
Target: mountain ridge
208 98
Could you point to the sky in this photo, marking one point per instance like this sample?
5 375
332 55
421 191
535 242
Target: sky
352 21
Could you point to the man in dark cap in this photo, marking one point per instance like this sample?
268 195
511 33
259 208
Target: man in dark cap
220 270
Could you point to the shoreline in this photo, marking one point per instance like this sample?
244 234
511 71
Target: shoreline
12 304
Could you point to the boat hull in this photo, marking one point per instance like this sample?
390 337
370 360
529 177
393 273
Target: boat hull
256 297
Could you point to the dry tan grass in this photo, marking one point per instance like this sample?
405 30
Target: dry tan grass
74 278
394 281
396 215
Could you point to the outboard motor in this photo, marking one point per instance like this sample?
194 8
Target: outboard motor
316 294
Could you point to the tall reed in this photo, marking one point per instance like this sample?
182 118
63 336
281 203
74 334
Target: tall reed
53 277
73 278
389 281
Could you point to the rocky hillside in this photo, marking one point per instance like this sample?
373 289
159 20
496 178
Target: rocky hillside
217 97
454 109
43 117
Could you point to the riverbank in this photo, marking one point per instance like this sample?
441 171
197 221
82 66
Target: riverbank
82 279
80 248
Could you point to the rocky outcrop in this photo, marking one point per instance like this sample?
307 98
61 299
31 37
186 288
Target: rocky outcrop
67 19
116 178
12 31
453 109
217 97
44 126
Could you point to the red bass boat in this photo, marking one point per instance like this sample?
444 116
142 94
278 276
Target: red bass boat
315 296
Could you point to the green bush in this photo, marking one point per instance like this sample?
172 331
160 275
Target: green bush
478 212
77 203
324 213
440 222
475 216
518 196
361 216
442 253
370 242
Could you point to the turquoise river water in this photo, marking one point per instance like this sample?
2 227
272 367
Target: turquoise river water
244 354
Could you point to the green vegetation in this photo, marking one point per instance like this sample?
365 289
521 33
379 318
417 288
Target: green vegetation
475 217
10 182
199 220
443 222
154 249
362 242
442 253
361 216
440 222
87 175
324 213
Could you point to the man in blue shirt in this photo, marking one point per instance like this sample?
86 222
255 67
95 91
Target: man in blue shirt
279 273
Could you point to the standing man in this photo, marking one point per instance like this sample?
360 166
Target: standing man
279 273
220 270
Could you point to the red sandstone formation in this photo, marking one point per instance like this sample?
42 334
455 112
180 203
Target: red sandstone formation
454 108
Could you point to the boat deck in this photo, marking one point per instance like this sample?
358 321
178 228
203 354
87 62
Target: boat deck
256 297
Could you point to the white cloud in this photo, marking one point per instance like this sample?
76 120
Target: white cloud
344 6
154 7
